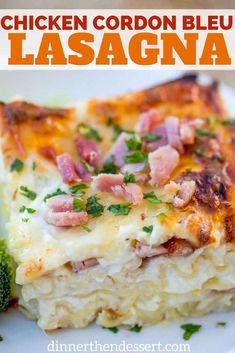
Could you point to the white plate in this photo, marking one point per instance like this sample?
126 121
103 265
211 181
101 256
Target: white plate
22 335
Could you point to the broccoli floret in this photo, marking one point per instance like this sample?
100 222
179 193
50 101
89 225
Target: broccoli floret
6 276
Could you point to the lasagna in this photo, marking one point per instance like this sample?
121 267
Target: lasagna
121 211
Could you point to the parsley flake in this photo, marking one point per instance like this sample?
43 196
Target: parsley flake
112 329
136 157
120 209
25 220
75 188
199 152
109 166
221 324
87 229
148 229
77 205
136 328
129 178
134 143
89 132
17 166
118 130
208 133
151 137
34 165
55 193
29 210
227 122
152 198
190 329
93 207
1 338
28 193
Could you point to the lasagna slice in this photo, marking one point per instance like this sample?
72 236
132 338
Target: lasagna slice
121 210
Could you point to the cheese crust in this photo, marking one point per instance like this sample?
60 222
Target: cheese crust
124 288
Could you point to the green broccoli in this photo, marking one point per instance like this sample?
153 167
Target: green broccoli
6 276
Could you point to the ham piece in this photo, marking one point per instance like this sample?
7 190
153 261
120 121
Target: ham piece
66 168
89 151
162 163
61 212
119 149
113 183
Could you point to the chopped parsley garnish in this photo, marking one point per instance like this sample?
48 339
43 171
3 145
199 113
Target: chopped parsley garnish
227 122
77 205
25 220
1 338
221 324
136 157
151 137
148 229
89 132
190 329
208 133
120 209
129 178
112 329
55 193
87 229
93 207
136 328
109 166
188 170
152 198
17 166
134 143
199 152
118 130
33 165
28 193
109 122
24 208
76 188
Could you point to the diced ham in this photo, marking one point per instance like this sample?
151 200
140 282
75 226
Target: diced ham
105 182
187 134
66 167
160 130
82 172
147 121
162 163
145 251
173 132
119 149
66 219
178 247
89 151
186 192
78 266
60 203
113 183
131 192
